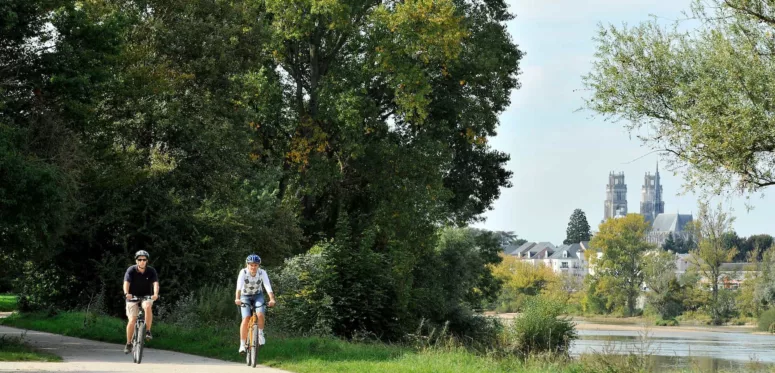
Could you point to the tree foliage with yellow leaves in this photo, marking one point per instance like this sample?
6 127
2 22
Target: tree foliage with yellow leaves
620 269
521 280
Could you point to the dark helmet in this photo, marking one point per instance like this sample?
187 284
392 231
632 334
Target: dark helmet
253 258
142 253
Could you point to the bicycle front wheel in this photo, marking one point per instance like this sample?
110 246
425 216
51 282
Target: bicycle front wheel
139 342
254 346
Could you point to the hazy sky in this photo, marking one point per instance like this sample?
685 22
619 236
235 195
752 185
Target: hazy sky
561 157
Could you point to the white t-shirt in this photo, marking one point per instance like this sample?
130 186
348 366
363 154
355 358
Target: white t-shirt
251 285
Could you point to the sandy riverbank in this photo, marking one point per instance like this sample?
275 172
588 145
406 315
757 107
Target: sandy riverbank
641 324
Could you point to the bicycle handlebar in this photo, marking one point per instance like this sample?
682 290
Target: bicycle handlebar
248 304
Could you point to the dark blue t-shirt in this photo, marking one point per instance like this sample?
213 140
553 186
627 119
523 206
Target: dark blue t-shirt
141 284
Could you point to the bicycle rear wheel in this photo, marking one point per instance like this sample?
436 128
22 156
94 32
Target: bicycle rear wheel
254 346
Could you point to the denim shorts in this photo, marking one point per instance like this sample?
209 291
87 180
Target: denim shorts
256 300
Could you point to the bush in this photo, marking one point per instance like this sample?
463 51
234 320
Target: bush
508 302
45 287
208 306
540 329
592 302
303 308
473 330
668 322
767 321
697 317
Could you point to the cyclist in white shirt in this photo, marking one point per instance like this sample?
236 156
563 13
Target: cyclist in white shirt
250 289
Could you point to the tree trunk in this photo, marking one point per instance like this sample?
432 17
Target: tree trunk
714 298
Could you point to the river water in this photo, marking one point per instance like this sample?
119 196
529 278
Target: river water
705 349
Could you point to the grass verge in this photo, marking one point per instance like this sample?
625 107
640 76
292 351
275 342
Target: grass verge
300 355
322 355
8 302
14 349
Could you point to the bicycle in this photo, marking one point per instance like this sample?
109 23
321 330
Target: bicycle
138 337
251 345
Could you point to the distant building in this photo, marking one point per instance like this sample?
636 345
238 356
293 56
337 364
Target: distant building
616 196
731 276
536 253
569 259
667 224
681 264
651 203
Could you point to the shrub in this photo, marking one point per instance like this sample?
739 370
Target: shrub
668 322
697 317
508 302
540 329
303 308
767 320
209 305
45 288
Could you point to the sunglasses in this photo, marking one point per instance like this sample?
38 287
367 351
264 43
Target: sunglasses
142 260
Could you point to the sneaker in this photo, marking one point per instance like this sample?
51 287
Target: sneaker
261 339
148 335
128 348
242 349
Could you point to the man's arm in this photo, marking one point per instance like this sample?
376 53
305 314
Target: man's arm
126 290
156 290
127 280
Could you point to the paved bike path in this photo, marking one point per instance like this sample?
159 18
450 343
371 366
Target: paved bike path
82 355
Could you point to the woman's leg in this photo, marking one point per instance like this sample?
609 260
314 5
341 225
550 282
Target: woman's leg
260 310
243 330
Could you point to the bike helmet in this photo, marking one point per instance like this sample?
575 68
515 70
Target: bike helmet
253 258
142 253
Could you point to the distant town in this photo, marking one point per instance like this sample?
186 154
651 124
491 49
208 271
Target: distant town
668 232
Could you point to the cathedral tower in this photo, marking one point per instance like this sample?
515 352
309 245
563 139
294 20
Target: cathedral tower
651 203
616 196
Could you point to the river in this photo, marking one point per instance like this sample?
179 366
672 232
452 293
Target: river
706 349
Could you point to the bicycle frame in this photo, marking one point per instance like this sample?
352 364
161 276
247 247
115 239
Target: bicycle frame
252 345
138 337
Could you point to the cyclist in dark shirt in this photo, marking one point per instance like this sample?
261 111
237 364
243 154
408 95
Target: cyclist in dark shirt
140 280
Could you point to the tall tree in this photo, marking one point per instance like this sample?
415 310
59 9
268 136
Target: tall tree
764 289
685 245
711 253
702 97
578 228
663 288
757 245
670 244
620 269
509 238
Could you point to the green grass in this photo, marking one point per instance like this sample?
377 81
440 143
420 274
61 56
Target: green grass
304 355
294 354
8 302
14 349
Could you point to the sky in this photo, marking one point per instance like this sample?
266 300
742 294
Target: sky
561 156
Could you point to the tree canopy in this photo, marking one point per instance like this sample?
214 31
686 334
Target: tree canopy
701 97
620 268
203 131
578 228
